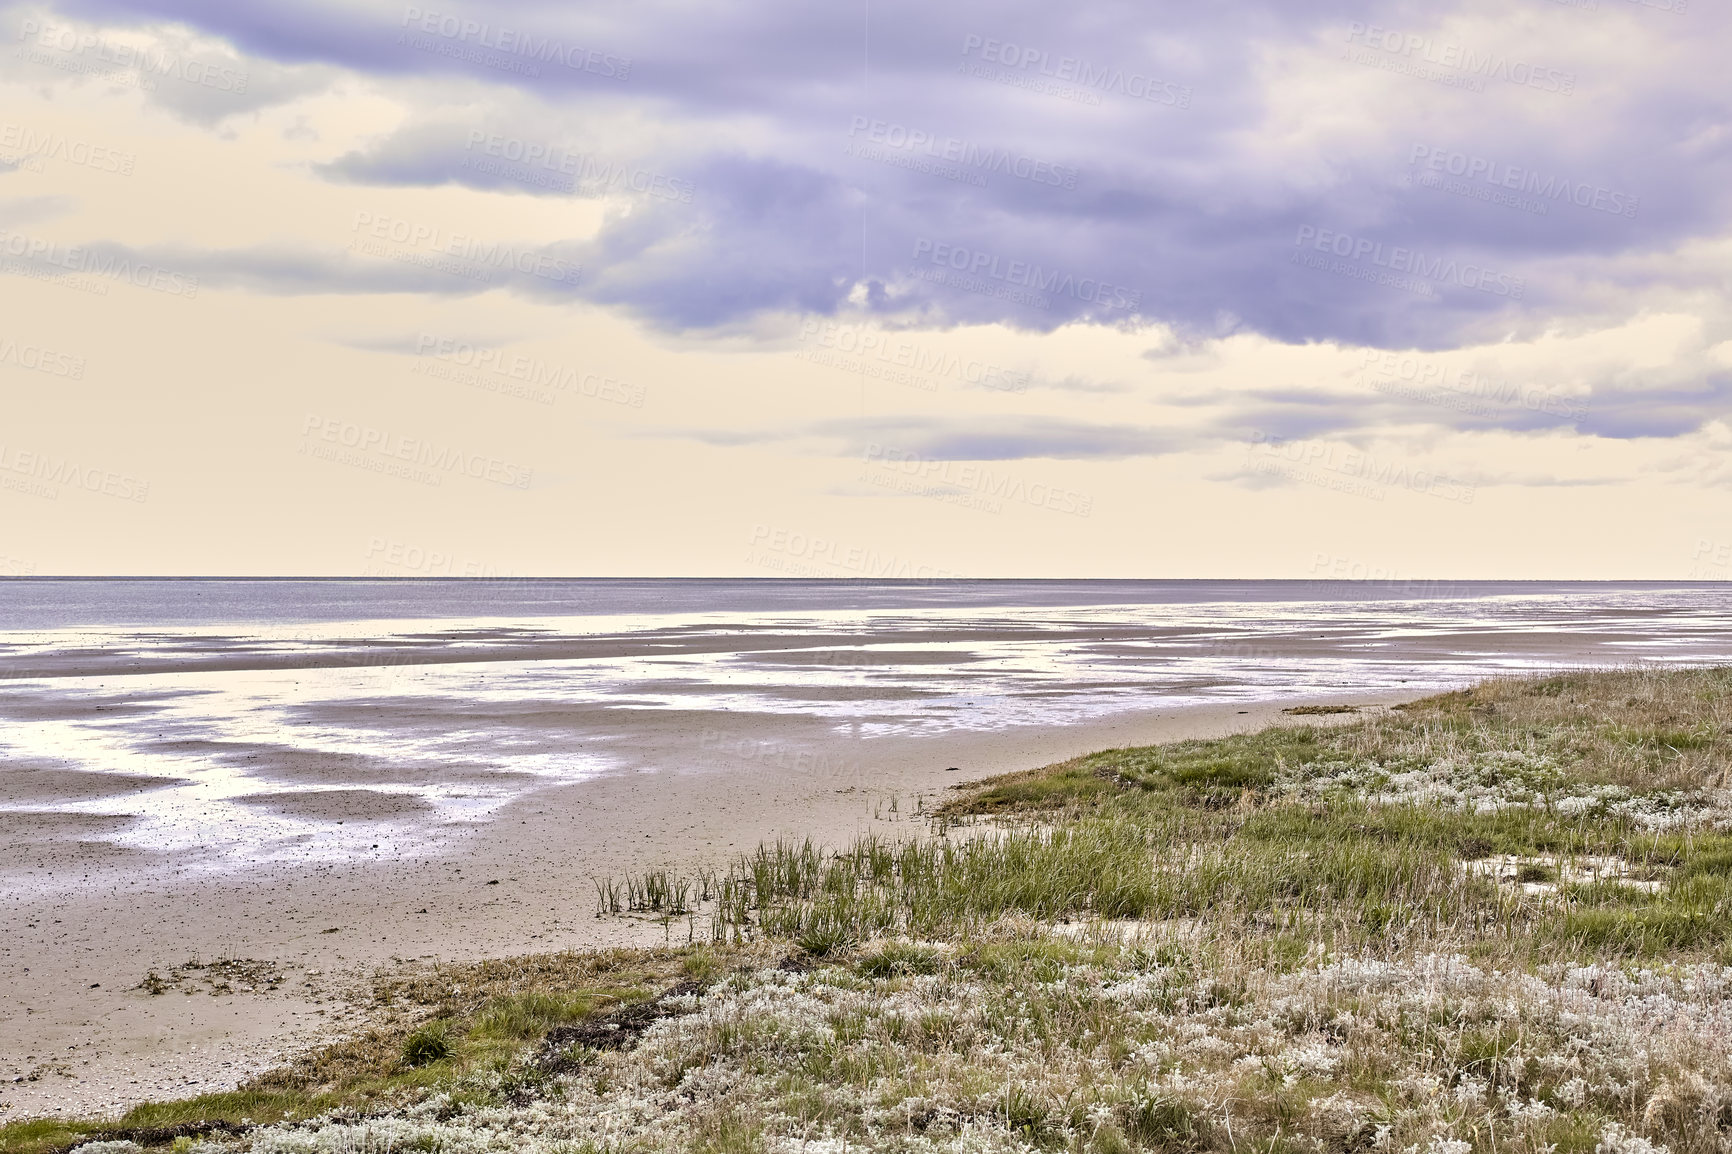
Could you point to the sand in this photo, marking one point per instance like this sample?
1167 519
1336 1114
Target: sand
81 925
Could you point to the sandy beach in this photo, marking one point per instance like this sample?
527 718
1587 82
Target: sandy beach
307 800
75 1018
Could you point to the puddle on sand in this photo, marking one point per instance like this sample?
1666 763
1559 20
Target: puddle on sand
1544 873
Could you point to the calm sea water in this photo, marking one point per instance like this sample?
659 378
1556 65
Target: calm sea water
61 602
248 712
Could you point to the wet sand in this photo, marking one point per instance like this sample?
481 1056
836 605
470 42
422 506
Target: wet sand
327 798
71 1014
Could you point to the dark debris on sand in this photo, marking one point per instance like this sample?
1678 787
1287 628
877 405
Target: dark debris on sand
562 1048
156 1135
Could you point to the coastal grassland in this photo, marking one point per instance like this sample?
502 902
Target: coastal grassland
1493 920
1581 812
482 1014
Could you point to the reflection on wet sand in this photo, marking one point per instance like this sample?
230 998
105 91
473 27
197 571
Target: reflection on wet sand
232 746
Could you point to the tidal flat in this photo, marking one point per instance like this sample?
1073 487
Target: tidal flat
1492 919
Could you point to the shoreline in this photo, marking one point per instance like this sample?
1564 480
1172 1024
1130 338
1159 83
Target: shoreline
520 883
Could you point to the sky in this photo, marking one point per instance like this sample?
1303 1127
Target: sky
866 289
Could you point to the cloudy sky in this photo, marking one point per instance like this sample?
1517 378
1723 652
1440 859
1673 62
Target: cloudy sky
1248 289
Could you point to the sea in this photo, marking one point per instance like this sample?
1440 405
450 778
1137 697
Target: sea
225 719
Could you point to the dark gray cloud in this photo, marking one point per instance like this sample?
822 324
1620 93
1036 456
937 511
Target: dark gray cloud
1376 406
1625 411
1245 166
1629 408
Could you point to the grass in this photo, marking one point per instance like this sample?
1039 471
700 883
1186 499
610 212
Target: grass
1499 918
430 1043
1352 836
439 1028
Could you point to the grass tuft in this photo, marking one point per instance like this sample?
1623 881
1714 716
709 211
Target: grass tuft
431 1043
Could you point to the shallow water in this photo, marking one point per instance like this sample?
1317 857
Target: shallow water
325 720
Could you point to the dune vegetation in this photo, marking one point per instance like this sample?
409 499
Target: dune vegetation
1493 920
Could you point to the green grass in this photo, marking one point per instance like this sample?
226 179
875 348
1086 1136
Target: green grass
515 1017
898 959
1063 786
391 1066
1232 832
1205 773
1256 857
431 1043
1219 770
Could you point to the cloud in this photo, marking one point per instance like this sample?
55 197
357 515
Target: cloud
376 267
1002 439
1532 480
197 78
1625 410
1005 438
21 210
417 343
428 155
1039 166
